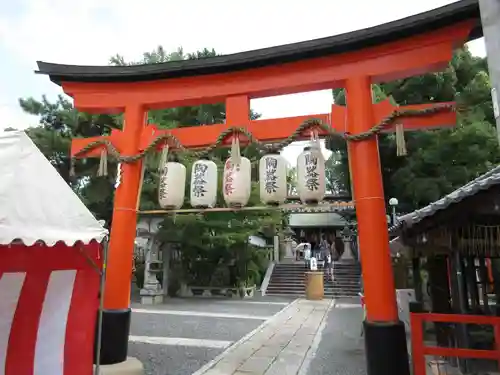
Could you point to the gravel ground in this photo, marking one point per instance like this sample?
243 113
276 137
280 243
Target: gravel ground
341 350
192 327
184 360
171 360
219 306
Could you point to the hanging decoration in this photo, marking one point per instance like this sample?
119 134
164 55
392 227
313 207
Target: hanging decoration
272 179
171 189
237 182
311 172
203 184
400 140
103 163
118 180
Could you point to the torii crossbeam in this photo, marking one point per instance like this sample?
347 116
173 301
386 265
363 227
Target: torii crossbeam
399 49
270 130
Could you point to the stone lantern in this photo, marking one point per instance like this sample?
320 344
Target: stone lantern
151 292
288 242
347 234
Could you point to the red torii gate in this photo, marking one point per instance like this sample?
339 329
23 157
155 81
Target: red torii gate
354 61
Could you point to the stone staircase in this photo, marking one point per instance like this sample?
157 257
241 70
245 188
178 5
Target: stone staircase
347 280
288 279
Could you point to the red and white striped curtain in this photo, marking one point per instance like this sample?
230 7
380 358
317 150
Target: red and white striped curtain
48 309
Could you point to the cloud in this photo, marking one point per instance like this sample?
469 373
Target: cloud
11 117
89 32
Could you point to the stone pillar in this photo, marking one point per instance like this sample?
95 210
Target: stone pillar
347 255
276 248
151 293
166 268
289 254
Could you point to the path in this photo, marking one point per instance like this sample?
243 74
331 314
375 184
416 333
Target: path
182 335
306 338
340 350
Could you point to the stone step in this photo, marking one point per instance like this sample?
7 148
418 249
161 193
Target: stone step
302 275
290 280
285 291
326 294
303 280
285 288
326 279
325 282
319 267
354 291
336 265
303 269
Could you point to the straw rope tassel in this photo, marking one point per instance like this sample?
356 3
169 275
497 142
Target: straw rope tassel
103 163
400 140
235 149
163 158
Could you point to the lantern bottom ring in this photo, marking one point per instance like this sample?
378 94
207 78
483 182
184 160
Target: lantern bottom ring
274 204
170 208
311 201
235 205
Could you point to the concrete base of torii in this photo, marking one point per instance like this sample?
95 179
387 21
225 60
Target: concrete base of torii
132 366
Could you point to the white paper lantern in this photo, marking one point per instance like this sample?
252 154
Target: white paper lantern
311 174
237 183
204 184
171 191
272 179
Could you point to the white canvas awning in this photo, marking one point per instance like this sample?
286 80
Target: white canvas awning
36 204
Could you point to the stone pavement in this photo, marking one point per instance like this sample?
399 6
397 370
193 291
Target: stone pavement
340 350
283 345
182 335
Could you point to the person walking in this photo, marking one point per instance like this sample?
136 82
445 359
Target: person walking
307 255
328 266
334 256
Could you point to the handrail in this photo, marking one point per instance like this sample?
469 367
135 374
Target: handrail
420 350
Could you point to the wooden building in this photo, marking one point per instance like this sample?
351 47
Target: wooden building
337 223
453 246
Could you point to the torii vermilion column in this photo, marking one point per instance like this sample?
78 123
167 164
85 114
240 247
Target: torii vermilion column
354 61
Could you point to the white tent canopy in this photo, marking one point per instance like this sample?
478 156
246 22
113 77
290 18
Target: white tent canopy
36 204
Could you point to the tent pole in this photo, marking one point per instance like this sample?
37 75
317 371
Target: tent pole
101 308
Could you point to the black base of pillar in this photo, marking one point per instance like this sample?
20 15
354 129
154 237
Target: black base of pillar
114 336
386 350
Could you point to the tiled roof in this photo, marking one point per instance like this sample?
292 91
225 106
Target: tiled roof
483 182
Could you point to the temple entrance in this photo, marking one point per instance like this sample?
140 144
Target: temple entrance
353 62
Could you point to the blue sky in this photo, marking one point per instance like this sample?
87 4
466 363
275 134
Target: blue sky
88 32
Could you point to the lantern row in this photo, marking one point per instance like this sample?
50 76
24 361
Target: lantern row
236 179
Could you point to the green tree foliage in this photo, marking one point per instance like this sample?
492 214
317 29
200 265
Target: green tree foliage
207 242
438 161
59 123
